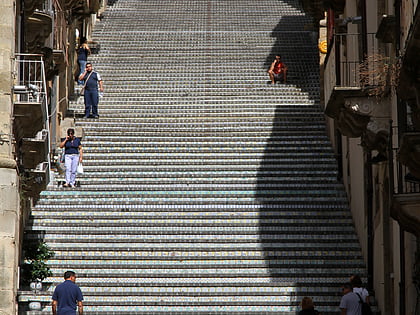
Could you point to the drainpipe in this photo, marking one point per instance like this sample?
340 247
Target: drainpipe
364 29
402 272
402 127
397 13
386 230
369 210
339 154
21 41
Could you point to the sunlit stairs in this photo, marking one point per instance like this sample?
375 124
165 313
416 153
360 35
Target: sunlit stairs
206 190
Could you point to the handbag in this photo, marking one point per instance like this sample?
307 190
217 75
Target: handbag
366 310
82 90
80 168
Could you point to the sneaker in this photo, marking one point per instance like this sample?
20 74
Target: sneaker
96 117
65 185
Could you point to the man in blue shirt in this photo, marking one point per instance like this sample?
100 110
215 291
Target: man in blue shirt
92 79
67 296
350 302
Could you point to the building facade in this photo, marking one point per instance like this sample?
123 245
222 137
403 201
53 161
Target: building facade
37 69
370 74
371 96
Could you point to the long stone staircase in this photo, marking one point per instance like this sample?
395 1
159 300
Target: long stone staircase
206 190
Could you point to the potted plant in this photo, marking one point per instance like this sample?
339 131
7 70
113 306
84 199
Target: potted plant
34 268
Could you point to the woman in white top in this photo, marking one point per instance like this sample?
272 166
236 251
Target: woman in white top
356 282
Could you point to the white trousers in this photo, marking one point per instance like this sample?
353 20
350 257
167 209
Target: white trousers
71 160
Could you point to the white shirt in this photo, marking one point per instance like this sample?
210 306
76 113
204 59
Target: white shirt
362 292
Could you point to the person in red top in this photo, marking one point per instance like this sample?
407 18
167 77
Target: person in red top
277 71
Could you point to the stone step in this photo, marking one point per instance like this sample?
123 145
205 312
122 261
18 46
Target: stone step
55 237
196 309
204 291
209 281
352 253
328 262
266 208
158 228
142 185
201 272
218 111
205 191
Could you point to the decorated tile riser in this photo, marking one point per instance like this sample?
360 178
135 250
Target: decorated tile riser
206 190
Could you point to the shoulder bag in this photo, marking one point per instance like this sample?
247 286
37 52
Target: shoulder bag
82 91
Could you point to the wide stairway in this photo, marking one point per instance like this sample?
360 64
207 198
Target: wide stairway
206 190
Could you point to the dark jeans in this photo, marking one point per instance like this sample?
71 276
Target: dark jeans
91 102
82 66
279 77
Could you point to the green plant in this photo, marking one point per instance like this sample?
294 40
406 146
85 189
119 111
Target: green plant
34 267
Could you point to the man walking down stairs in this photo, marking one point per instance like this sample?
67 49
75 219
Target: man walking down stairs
205 191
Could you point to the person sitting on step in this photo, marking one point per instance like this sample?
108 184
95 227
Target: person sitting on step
277 71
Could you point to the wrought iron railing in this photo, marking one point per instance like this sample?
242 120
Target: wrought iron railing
29 79
30 86
403 181
352 62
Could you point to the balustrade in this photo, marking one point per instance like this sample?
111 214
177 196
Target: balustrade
31 121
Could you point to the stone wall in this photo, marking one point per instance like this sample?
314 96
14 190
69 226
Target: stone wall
9 183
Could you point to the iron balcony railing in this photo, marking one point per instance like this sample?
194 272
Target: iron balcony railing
403 181
353 62
30 86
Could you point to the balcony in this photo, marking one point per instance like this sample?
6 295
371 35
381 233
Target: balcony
60 59
409 87
34 150
409 152
35 180
28 111
405 207
353 84
83 7
31 121
39 26
32 5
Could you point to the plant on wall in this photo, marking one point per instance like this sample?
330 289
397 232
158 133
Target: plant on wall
379 74
34 267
